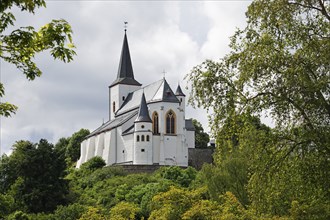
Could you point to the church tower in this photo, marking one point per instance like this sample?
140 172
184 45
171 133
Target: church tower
181 97
125 82
142 150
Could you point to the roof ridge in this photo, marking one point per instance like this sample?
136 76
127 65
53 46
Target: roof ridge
160 85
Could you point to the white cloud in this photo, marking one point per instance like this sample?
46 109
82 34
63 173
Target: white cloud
224 19
174 36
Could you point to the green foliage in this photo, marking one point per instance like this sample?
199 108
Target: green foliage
34 176
201 137
61 145
93 164
93 213
171 204
149 190
73 148
237 142
313 209
125 211
279 66
179 175
121 191
203 209
18 215
20 46
73 211
6 204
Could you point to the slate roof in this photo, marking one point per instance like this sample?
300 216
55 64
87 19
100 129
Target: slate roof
189 125
113 123
143 115
179 91
125 71
158 91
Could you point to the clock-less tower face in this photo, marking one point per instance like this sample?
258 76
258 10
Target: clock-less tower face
124 83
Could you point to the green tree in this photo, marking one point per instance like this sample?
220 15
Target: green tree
93 164
201 137
20 46
234 159
18 215
173 203
178 175
93 213
62 145
73 148
279 63
125 211
203 209
36 177
279 66
6 204
72 211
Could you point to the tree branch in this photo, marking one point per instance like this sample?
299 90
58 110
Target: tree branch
306 6
323 10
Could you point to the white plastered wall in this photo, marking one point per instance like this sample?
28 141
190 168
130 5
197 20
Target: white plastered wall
190 139
143 152
99 143
90 148
117 93
82 154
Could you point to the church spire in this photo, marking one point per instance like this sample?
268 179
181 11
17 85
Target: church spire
125 71
143 115
179 91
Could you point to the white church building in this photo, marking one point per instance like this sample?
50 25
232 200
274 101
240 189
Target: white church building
147 125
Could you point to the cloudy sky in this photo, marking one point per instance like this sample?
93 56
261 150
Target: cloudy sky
162 35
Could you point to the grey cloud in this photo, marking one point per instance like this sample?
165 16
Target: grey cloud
161 35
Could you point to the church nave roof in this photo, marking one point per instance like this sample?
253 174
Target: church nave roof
158 91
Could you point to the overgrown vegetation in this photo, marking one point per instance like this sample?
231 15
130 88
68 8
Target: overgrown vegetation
39 182
279 65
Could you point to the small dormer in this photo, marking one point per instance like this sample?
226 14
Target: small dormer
181 97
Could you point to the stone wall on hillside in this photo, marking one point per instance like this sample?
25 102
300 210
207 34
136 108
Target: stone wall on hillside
198 156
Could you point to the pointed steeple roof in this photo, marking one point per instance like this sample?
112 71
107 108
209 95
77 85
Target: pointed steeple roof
125 71
143 115
165 93
179 91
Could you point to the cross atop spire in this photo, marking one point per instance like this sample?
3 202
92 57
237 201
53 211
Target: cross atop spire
164 73
125 71
125 25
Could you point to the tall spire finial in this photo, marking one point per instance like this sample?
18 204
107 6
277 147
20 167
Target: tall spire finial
125 25
164 73
125 70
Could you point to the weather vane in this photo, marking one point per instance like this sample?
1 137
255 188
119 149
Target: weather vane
125 25
164 72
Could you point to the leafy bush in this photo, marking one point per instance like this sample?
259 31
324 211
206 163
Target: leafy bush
179 175
93 164
125 211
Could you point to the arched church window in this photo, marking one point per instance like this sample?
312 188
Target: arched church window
170 122
113 107
155 123
137 138
142 137
148 138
